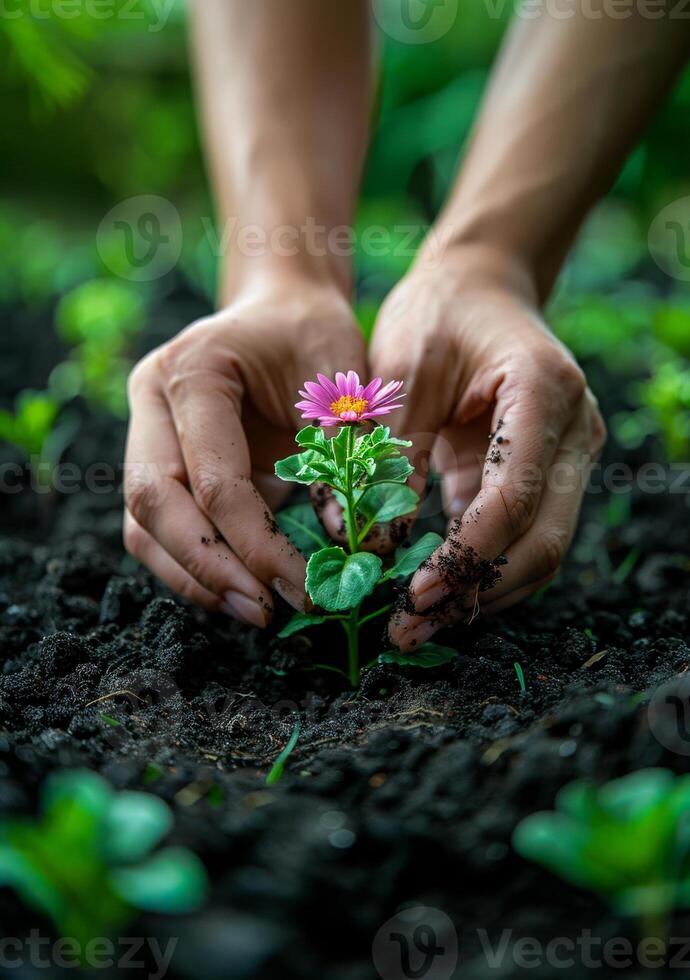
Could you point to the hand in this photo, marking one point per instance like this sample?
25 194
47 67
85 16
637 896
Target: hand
483 370
210 413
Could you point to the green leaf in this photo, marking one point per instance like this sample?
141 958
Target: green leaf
300 621
303 528
173 881
312 437
278 767
337 581
408 560
428 655
393 470
379 505
297 468
339 445
135 823
30 883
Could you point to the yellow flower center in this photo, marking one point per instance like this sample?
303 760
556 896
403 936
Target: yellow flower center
348 403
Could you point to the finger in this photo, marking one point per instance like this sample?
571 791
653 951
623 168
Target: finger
530 428
533 560
206 410
162 506
458 457
142 546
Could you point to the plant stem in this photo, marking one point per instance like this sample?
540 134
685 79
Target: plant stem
351 624
373 615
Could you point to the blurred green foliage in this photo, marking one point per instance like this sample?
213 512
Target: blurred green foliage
626 840
100 108
88 863
99 319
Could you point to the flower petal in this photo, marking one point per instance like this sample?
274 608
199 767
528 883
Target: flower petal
372 388
352 382
329 387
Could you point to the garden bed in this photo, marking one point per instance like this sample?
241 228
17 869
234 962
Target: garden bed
404 792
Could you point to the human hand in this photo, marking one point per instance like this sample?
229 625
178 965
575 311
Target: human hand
210 413
477 360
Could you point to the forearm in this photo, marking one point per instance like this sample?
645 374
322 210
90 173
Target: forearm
285 91
567 102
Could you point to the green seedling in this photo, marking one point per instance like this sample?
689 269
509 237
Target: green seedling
368 474
628 841
36 429
88 862
520 676
278 767
626 566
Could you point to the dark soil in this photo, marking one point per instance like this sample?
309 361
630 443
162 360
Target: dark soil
403 793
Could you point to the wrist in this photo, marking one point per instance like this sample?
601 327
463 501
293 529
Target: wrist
475 266
284 252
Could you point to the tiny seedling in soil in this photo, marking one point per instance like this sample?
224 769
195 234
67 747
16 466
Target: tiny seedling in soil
520 676
278 767
87 862
368 473
35 428
627 841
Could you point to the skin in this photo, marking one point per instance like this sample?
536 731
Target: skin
213 409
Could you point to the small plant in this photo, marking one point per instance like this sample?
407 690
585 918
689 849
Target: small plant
367 471
278 768
628 841
87 862
34 428
520 674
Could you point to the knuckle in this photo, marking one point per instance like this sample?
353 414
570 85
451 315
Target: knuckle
208 488
142 496
520 501
551 549
170 357
599 432
139 377
569 377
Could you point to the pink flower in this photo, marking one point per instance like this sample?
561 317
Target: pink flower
347 400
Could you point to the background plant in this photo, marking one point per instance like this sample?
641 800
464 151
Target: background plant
88 862
628 841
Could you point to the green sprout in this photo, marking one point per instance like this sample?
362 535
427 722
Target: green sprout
86 863
35 429
278 767
520 676
99 319
628 841
368 474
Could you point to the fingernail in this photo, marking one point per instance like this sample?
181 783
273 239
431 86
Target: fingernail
294 597
244 609
420 634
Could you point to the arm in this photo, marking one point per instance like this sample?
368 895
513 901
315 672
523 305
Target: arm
284 93
566 103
